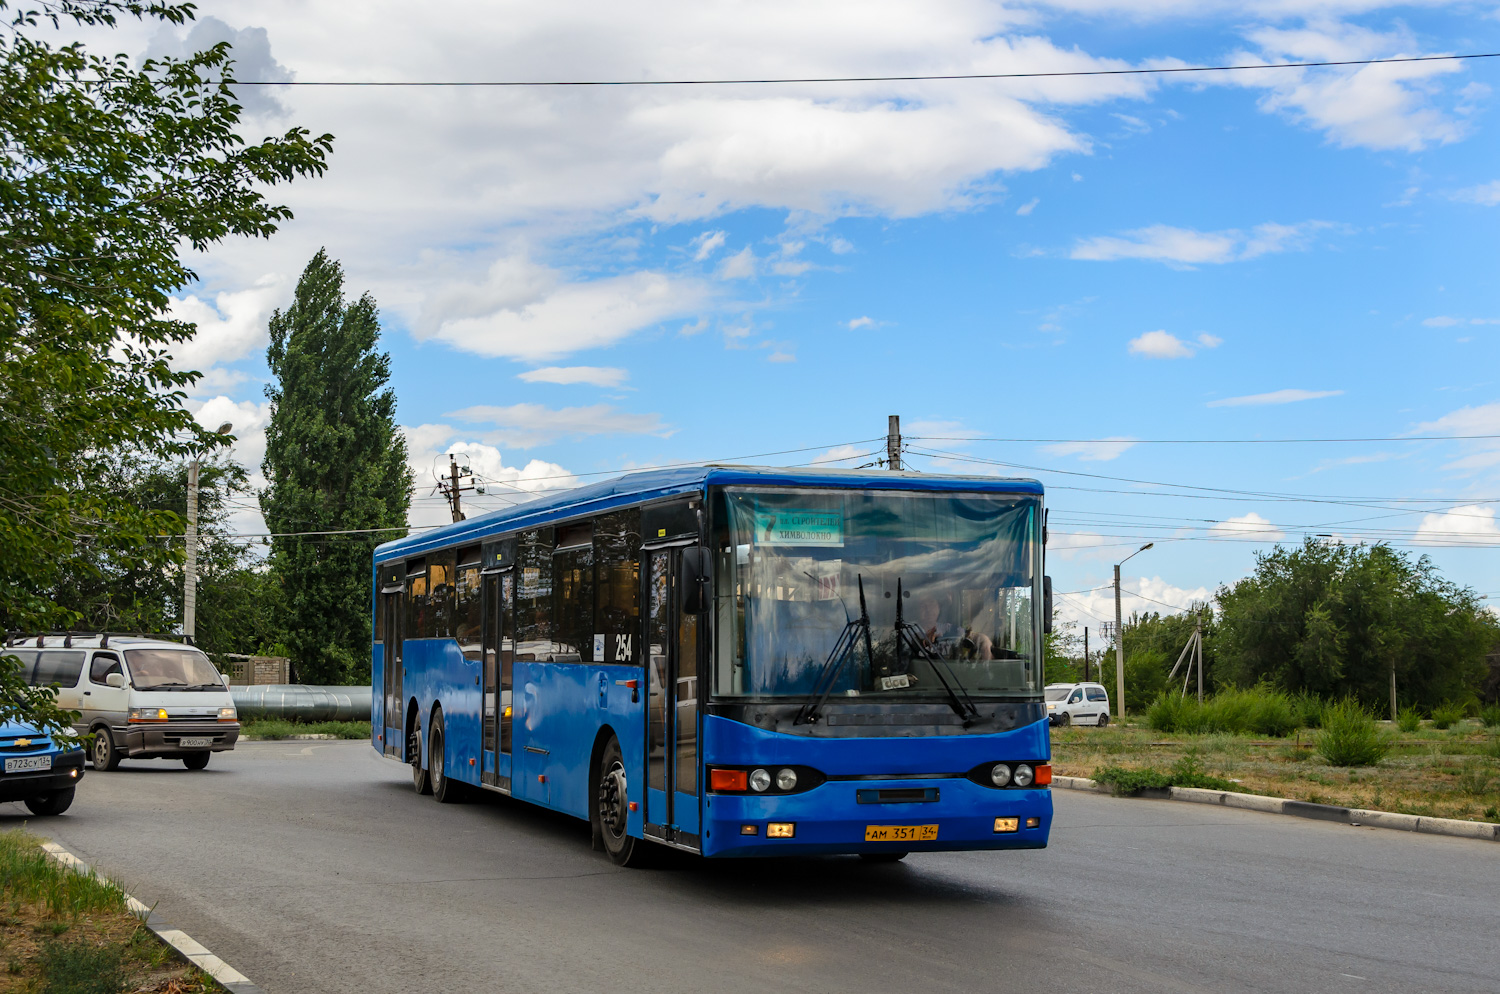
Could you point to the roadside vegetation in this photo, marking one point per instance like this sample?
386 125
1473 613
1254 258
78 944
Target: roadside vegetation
1327 752
64 932
276 728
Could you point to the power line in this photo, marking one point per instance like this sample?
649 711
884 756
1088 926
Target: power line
939 77
1202 441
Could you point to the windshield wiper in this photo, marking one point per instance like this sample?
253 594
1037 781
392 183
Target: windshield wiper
842 649
911 636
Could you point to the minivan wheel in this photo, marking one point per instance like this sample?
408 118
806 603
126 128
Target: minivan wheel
1103 720
105 755
1065 719
195 760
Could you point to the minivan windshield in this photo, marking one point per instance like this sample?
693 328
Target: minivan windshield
172 669
948 585
1058 693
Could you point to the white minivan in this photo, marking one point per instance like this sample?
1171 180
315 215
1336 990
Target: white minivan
142 698
1077 704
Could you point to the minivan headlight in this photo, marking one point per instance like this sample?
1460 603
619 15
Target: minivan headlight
228 714
148 714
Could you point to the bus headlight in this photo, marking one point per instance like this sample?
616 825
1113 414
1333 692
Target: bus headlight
760 781
1023 775
786 779
1000 775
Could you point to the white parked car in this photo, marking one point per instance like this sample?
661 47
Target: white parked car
1077 704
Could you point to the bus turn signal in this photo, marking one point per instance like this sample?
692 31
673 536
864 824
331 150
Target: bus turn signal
728 780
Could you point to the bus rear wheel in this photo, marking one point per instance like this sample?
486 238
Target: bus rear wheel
445 790
419 780
611 810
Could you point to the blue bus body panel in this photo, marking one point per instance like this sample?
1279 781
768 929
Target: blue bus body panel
830 818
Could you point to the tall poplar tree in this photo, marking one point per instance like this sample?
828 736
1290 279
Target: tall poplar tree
335 462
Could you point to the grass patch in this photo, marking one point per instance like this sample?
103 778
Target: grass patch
276 728
65 932
1409 719
1445 716
1489 716
1186 772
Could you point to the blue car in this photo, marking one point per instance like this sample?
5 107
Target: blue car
37 770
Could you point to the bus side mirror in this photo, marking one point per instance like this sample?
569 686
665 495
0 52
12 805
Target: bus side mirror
115 679
1046 605
692 580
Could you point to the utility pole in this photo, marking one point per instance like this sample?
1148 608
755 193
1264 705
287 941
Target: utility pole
1085 653
190 567
451 488
1198 638
1393 690
893 442
1119 654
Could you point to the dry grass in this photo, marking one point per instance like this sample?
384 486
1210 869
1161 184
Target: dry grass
62 932
1444 774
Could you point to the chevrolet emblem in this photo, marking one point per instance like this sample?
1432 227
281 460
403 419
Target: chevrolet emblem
23 742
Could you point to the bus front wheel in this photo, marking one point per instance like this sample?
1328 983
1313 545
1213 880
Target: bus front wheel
611 810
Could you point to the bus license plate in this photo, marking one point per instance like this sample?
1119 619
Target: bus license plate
188 743
900 833
23 763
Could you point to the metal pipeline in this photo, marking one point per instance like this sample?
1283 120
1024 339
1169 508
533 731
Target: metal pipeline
298 702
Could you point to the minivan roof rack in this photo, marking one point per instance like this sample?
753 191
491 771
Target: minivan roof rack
18 638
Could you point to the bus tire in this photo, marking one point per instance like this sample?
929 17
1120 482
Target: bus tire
105 754
611 808
445 790
420 782
196 760
882 857
53 803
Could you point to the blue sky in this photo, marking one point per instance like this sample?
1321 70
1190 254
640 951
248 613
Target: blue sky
575 282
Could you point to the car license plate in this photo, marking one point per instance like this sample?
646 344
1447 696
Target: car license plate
23 763
900 833
199 743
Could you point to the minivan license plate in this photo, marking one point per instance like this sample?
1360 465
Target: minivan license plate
23 763
202 743
900 833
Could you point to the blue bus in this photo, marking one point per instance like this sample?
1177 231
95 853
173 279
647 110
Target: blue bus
732 661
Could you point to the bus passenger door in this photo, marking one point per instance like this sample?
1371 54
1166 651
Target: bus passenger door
672 705
499 658
390 637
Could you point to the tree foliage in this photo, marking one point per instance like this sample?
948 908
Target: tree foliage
110 170
1333 620
336 462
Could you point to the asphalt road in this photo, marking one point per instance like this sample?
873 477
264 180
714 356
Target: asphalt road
313 866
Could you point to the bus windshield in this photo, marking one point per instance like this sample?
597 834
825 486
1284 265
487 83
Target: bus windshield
948 582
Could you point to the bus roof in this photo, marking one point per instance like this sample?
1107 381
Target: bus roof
634 488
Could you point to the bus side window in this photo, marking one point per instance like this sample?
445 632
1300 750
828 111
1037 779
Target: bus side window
534 594
103 665
440 596
617 557
416 600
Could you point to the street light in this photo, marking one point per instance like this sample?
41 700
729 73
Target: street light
190 569
1120 638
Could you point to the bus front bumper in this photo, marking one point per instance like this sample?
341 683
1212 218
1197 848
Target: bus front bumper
840 815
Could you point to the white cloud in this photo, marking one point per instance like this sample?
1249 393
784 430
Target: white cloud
1481 420
1274 397
707 243
1076 545
1389 106
1101 450
1250 525
1186 247
1028 207
599 376
740 266
780 356
527 311
1138 595
505 486
1471 525
253 61
843 453
1165 345
524 426
1442 322
840 247
860 322
1487 194
229 329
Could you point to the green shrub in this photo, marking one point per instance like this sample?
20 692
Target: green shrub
1409 719
1186 772
1490 715
1475 778
1273 713
1308 709
1166 713
1446 715
1349 736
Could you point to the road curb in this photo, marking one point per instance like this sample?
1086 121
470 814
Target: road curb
185 945
1305 809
